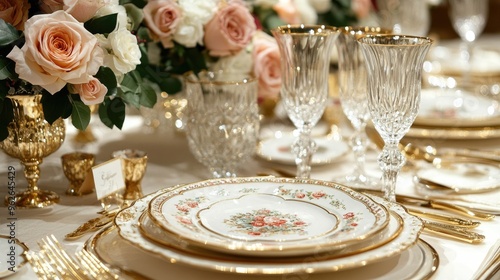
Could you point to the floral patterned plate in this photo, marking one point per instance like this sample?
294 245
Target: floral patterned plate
266 216
136 228
280 150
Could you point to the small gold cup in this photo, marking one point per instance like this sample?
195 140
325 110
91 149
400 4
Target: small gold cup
134 167
76 166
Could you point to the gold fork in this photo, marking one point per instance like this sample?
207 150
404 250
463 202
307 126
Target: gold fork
64 264
94 266
41 267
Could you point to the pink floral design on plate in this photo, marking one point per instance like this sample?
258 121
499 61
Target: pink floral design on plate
265 222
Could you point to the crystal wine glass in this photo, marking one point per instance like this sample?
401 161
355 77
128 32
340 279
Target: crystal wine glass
394 64
353 92
468 18
305 59
410 17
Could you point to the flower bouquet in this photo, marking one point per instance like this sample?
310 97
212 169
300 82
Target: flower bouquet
76 53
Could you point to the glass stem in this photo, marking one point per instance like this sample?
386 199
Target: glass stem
304 148
466 55
359 144
390 161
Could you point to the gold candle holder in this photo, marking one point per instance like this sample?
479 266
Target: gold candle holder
76 166
134 167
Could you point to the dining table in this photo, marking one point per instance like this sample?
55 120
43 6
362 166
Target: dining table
170 163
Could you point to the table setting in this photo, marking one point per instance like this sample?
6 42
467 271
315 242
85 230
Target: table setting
380 162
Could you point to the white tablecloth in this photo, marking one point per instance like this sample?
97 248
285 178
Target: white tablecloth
171 163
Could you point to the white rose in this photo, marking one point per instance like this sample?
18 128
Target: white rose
122 51
321 6
307 13
238 63
114 8
195 15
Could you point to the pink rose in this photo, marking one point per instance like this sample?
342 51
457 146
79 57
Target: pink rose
230 30
267 66
287 11
361 8
49 6
162 17
83 10
92 92
14 12
58 50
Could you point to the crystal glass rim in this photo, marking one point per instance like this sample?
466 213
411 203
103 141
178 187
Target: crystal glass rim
375 40
359 31
248 78
305 29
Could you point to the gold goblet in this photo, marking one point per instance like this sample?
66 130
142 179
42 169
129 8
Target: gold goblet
31 138
76 166
134 167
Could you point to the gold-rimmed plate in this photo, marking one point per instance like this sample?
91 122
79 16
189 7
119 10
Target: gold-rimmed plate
13 255
131 229
456 107
265 216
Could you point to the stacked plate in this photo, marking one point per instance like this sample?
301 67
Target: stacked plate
267 225
457 113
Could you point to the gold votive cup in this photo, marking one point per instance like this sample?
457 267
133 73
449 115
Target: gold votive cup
134 167
76 165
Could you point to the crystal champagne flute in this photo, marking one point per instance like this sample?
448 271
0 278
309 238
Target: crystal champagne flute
353 92
469 19
305 59
394 64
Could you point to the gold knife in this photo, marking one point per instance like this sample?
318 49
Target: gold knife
455 221
435 204
453 232
92 225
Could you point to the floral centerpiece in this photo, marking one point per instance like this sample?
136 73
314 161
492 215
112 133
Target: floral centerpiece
76 53
177 36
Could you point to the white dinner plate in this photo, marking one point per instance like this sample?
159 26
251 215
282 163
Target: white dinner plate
127 222
456 108
464 177
12 255
266 216
280 150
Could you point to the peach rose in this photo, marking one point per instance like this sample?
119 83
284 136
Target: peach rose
58 50
287 11
267 66
361 8
92 92
162 17
49 6
230 30
14 12
83 10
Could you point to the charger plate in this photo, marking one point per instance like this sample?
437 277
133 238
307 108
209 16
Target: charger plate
267 216
394 250
12 260
279 150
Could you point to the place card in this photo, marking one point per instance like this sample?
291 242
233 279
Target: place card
108 178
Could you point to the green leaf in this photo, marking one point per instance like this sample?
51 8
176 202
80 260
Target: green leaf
135 15
171 85
103 113
148 96
106 76
129 84
116 112
80 117
101 25
56 106
7 69
8 34
132 98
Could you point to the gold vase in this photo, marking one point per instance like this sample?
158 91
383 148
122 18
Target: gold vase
31 138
